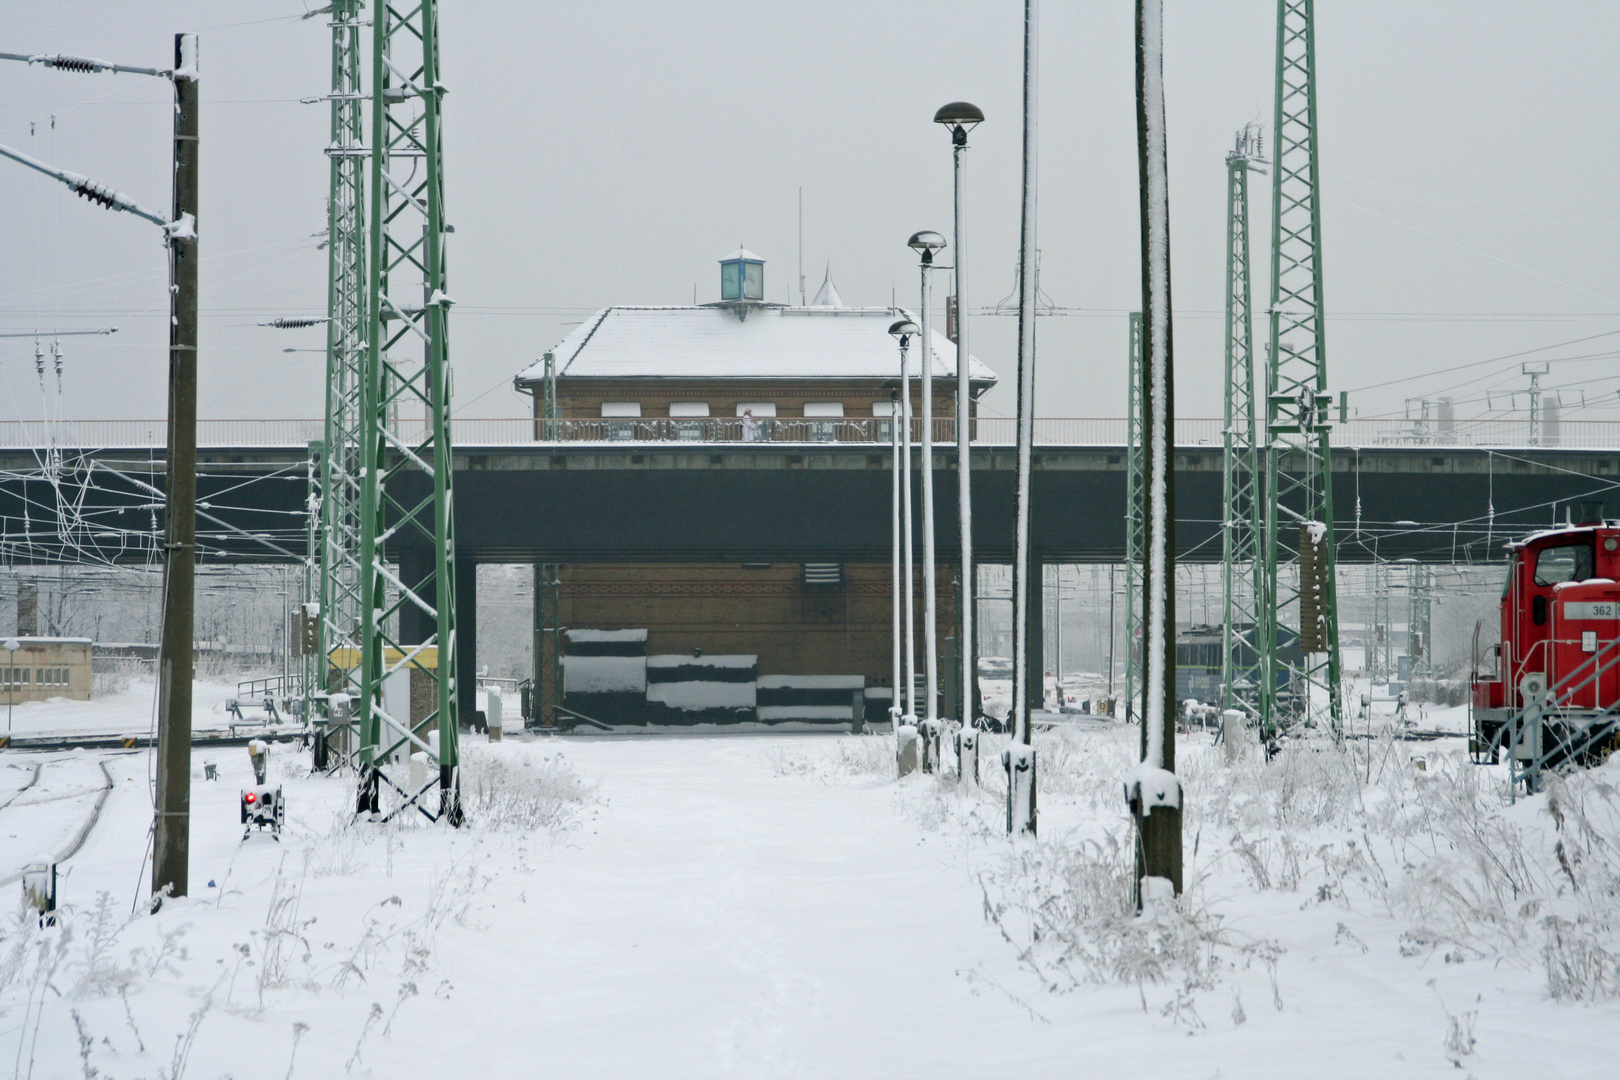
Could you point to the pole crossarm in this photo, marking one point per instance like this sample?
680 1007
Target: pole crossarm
99 194
84 65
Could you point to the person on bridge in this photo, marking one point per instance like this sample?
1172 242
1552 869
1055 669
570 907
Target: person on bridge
748 425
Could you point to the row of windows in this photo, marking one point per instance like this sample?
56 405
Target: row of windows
44 676
757 409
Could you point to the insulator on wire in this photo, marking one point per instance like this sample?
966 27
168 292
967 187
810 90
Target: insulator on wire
81 64
95 192
294 324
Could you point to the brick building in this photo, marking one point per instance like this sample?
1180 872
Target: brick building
737 370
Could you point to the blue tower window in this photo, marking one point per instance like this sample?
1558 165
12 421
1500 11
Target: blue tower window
742 276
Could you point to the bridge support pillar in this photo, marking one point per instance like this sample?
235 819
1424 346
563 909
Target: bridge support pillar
467 639
1035 657
416 565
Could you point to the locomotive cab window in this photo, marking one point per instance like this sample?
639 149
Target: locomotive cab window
1571 562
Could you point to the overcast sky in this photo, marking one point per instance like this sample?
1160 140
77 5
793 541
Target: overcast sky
608 152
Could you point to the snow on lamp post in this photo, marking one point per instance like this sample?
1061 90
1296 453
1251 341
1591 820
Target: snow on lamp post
1019 756
925 243
906 733
1152 789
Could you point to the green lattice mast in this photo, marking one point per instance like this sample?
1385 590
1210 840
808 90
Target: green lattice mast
342 455
406 497
1299 517
1242 577
1135 492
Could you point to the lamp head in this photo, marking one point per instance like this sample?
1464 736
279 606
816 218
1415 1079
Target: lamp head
960 117
925 243
903 329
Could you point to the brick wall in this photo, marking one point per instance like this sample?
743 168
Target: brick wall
722 608
581 398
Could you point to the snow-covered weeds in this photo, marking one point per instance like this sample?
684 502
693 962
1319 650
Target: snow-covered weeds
507 791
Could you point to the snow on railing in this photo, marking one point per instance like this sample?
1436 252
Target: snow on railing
30 435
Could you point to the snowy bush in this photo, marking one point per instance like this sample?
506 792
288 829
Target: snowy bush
851 755
519 791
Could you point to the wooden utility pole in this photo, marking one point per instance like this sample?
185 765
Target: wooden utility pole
1153 790
171 839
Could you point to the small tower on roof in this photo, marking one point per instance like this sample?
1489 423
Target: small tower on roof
742 281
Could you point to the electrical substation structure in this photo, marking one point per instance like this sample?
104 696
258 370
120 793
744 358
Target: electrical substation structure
336 554
389 636
1135 488
1298 477
1242 580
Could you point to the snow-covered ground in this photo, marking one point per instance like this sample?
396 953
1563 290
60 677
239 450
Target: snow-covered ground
130 711
782 906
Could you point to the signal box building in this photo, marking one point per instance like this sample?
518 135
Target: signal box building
776 642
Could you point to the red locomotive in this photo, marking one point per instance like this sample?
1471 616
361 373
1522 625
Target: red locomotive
1555 697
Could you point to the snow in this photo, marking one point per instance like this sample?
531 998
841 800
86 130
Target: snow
187 71
1158 257
605 635
812 682
1153 787
760 907
183 229
703 695
679 660
773 343
604 674
131 711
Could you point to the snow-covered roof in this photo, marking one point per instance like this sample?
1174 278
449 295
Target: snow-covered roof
827 295
773 342
742 253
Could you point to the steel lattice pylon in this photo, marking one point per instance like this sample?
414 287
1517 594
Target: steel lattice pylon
1242 577
342 454
1135 493
1380 633
1419 616
408 308
1298 475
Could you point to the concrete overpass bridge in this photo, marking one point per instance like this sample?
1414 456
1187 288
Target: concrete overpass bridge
599 493
590 494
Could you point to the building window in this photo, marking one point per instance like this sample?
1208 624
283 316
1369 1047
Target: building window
621 408
689 408
758 408
885 408
824 409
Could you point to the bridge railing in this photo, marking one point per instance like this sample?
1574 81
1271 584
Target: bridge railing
35 435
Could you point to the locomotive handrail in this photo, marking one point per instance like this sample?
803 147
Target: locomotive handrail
1556 699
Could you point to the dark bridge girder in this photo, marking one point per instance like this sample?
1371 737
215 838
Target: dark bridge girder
597 502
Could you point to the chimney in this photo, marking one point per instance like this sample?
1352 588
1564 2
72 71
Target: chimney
27 609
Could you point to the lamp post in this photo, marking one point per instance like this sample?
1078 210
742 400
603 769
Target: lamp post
12 645
959 118
894 560
904 331
925 243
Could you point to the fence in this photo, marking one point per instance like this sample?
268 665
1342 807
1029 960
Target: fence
36 435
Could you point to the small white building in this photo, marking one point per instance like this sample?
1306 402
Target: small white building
45 667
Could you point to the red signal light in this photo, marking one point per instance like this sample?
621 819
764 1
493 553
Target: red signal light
250 797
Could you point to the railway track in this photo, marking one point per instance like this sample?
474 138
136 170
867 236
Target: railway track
82 833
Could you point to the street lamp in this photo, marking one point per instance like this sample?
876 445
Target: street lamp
894 558
926 243
960 117
903 331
